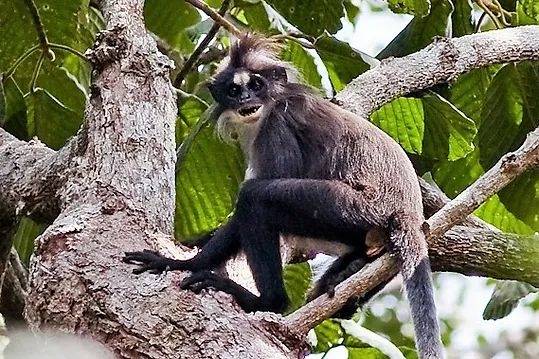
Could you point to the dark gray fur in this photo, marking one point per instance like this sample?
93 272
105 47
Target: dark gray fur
315 170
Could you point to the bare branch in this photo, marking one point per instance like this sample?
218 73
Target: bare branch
195 56
442 61
466 250
215 16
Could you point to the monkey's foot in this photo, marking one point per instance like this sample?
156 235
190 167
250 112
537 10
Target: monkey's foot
148 261
201 280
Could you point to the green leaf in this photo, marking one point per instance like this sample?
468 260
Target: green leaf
208 179
257 16
505 298
328 334
430 126
461 20
25 237
298 56
420 31
342 62
448 131
413 7
468 92
510 110
50 120
297 281
55 110
14 114
403 119
60 20
168 19
496 213
352 11
308 17
530 8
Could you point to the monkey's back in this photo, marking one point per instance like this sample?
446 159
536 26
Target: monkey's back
305 136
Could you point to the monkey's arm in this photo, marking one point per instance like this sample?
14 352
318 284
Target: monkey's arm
219 247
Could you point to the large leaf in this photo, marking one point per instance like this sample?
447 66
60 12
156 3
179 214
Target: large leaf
403 119
510 111
256 16
468 92
312 17
208 179
297 281
168 19
328 334
55 110
342 62
430 126
14 110
448 131
461 20
304 62
505 298
421 31
60 19
413 7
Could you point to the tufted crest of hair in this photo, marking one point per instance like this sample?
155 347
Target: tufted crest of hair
254 52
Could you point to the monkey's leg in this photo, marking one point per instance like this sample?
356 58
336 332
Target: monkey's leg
308 206
222 245
340 269
261 247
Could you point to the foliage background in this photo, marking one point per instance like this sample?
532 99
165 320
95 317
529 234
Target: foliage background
453 133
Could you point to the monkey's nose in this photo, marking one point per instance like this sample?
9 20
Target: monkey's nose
245 96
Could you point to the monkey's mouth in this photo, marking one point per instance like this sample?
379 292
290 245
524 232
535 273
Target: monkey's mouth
251 112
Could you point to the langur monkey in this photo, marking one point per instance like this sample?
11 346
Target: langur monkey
314 171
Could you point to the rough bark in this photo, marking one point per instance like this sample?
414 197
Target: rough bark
120 196
440 62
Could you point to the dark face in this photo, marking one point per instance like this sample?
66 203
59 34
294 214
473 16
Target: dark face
246 92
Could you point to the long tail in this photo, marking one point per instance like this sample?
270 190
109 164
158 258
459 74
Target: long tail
408 243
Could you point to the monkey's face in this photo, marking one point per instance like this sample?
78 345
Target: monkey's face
244 94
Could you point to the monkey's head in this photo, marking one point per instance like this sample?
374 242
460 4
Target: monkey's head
248 80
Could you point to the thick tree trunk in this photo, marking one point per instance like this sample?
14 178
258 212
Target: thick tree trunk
119 197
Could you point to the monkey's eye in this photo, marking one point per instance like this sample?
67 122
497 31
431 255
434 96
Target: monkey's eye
255 84
233 90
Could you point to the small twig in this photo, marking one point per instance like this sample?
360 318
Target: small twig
68 49
509 167
215 16
195 56
213 54
41 34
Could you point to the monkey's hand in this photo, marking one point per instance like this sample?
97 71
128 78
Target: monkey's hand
150 261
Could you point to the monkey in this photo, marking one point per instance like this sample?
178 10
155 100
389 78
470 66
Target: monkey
315 172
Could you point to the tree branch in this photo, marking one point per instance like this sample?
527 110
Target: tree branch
195 56
440 62
509 167
215 16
